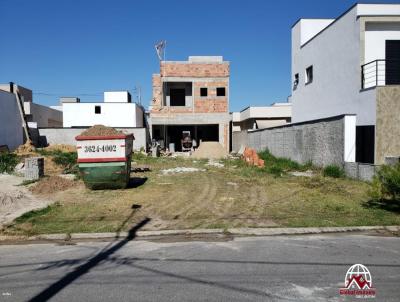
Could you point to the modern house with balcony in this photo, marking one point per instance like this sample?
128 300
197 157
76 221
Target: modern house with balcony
351 65
191 97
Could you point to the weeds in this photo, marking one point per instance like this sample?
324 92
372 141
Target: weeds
33 215
386 183
333 171
279 165
8 161
67 160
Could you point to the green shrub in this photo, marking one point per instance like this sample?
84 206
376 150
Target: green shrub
8 161
68 160
279 165
333 171
386 183
275 170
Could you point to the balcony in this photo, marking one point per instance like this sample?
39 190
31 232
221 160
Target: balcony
380 73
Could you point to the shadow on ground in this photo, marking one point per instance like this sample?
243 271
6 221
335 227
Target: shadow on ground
390 205
105 253
135 182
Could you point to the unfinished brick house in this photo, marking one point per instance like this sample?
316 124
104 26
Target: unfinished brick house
191 96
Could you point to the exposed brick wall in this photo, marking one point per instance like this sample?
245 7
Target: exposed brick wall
163 111
157 92
177 69
209 104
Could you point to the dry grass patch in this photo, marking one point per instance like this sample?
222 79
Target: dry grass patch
233 196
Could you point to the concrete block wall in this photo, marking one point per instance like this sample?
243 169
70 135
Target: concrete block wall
360 171
319 141
52 136
34 168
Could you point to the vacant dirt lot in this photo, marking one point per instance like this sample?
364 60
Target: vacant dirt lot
234 195
16 199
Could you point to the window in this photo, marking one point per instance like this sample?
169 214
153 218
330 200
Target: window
97 109
296 81
177 97
203 91
309 74
221 91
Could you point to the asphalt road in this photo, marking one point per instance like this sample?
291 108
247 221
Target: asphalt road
282 268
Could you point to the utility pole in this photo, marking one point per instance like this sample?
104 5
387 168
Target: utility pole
137 90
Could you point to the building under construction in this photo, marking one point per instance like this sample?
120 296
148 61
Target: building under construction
191 98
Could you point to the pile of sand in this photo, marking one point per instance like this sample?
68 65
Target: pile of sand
61 147
52 184
100 130
213 150
26 148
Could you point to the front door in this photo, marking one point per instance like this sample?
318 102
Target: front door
392 73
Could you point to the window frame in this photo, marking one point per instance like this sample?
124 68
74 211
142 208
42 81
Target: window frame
170 97
216 92
309 77
206 90
296 80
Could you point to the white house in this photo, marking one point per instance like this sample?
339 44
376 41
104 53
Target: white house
117 110
260 117
35 115
351 65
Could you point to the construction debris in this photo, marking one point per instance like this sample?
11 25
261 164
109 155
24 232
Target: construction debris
213 163
250 156
101 130
308 173
210 150
181 170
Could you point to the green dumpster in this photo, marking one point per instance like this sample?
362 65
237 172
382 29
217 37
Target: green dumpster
105 161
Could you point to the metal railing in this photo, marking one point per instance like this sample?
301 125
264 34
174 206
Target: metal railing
380 73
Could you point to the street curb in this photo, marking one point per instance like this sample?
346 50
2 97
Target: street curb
230 231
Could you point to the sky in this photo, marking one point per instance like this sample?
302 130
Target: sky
83 48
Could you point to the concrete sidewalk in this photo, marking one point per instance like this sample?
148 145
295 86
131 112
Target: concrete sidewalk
230 231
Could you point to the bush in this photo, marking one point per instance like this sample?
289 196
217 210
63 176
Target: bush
68 160
386 183
333 171
8 161
280 165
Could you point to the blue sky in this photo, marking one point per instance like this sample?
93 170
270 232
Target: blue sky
82 48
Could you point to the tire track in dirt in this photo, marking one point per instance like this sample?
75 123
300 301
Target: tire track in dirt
203 201
254 208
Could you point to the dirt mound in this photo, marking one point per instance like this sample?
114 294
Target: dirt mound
61 147
26 148
50 167
100 130
52 184
212 150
